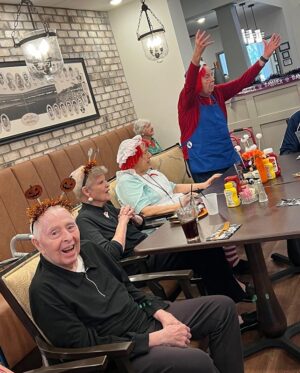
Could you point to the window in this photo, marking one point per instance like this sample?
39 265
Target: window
254 50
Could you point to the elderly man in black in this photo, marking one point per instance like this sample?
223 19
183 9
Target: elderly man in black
80 297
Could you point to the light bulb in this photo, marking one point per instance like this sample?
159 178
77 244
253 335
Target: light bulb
154 42
201 20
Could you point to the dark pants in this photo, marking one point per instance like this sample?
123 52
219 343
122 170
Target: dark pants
203 176
210 264
214 317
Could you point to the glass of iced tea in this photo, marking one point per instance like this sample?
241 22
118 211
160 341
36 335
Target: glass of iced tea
188 217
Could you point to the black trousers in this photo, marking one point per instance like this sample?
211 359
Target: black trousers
210 264
214 317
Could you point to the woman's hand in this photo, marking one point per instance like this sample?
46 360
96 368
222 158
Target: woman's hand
202 40
271 45
209 181
126 213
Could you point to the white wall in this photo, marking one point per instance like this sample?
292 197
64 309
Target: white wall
154 87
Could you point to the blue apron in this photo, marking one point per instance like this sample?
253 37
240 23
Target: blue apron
210 147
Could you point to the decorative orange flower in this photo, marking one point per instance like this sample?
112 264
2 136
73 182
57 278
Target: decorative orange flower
89 166
252 154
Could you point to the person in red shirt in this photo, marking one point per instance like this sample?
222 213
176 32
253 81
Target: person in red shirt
202 112
202 116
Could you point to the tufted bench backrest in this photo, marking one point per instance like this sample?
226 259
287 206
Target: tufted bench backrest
48 171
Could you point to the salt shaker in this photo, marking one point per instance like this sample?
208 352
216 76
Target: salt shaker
262 195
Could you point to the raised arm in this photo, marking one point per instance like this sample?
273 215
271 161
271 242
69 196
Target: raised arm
233 87
188 94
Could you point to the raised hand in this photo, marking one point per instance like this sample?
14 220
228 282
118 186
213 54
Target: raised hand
271 45
202 40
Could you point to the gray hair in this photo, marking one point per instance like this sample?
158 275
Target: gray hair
78 176
138 126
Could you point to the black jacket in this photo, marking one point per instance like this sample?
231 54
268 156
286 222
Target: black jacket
98 224
99 306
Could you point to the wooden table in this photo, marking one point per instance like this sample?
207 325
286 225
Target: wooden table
260 223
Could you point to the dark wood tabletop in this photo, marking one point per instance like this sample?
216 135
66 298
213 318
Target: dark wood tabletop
259 223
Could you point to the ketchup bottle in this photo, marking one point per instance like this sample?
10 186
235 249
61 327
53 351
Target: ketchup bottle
273 159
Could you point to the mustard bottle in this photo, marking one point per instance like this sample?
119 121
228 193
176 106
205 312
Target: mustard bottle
269 169
230 192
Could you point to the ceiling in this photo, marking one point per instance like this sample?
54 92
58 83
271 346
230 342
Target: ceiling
102 5
211 21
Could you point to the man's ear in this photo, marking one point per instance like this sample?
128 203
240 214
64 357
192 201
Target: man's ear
36 244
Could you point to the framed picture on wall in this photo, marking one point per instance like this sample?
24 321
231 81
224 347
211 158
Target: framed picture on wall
285 54
284 46
30 106
287 62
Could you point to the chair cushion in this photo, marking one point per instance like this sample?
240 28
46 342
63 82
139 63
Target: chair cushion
171 163
112 192
19 279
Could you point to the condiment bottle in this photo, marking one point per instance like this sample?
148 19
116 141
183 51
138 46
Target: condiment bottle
236 182
270 169
230 192
261 169
273 159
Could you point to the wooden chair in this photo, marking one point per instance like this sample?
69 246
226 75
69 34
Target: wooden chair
14 286
96 364
166 285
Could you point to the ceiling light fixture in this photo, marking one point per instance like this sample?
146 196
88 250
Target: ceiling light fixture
115 2
153 40
258 35
201 20
250 36
40 46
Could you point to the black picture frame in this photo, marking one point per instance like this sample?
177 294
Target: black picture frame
284 46
287 62
285 54
30 106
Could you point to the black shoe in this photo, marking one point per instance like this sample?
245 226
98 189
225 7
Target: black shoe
241 268
249 321
249 293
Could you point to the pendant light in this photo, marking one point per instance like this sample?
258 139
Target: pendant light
153 39
39 47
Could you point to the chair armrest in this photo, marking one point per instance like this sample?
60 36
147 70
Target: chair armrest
95 364
185 274
133 260
120 349
154 222
7 262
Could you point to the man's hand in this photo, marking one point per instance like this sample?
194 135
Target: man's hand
271 45
172 335
174 332
202 40
166 318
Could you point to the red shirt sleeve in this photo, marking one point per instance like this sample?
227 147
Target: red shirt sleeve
230 89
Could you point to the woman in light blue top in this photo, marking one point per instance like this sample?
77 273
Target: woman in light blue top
148 191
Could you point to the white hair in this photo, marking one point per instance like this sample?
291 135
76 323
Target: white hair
78 176
139 125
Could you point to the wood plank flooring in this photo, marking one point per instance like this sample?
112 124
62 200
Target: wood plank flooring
288 293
